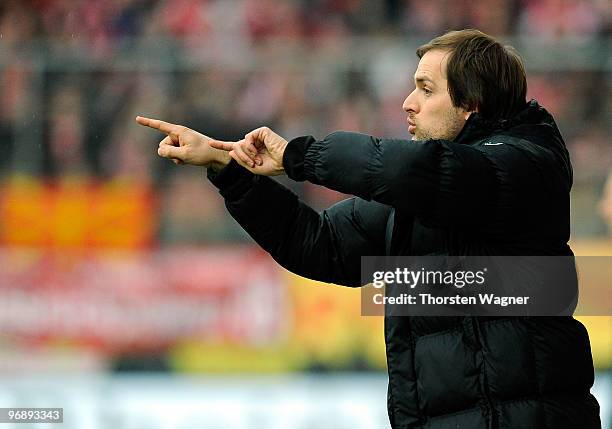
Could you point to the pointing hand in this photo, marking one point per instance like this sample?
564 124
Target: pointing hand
185 146
261 151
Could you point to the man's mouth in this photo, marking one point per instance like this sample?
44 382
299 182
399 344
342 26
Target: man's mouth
411 126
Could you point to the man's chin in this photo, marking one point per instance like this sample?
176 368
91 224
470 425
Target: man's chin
419 135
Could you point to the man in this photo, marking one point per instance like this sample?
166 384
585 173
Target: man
485 174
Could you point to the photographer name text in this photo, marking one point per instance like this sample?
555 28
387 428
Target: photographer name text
428 299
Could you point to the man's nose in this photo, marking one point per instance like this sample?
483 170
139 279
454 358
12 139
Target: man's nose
409 103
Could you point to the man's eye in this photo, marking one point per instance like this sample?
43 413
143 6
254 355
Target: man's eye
427 91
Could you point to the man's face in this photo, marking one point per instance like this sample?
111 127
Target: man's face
431 114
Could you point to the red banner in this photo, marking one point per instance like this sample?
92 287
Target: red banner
135 300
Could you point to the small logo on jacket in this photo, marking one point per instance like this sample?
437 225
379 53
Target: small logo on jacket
492 144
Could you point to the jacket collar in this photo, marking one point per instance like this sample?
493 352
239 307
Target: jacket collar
477 127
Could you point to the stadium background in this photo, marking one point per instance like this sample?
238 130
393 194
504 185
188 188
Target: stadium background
129 297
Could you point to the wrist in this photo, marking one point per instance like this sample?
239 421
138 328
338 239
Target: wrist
279 171
220 160
280 168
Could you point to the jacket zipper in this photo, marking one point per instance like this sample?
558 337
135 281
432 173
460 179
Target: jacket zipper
489 411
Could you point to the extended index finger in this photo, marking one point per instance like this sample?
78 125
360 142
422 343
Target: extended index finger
164 127
218 144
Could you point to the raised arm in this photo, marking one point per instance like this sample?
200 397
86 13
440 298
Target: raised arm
324 246
437 180
440 181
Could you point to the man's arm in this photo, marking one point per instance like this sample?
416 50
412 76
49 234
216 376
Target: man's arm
442 182
324 246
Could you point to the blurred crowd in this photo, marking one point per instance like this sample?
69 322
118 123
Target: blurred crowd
73 74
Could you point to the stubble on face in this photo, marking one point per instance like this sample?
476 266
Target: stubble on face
448 128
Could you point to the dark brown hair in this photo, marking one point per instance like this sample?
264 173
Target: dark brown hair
482 74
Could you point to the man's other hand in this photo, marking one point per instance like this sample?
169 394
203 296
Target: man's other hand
261 151
183 145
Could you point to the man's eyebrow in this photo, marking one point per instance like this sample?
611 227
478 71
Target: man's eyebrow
423 80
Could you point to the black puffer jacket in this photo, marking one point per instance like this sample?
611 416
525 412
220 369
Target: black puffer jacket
497 189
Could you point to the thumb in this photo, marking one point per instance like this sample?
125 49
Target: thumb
167 151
